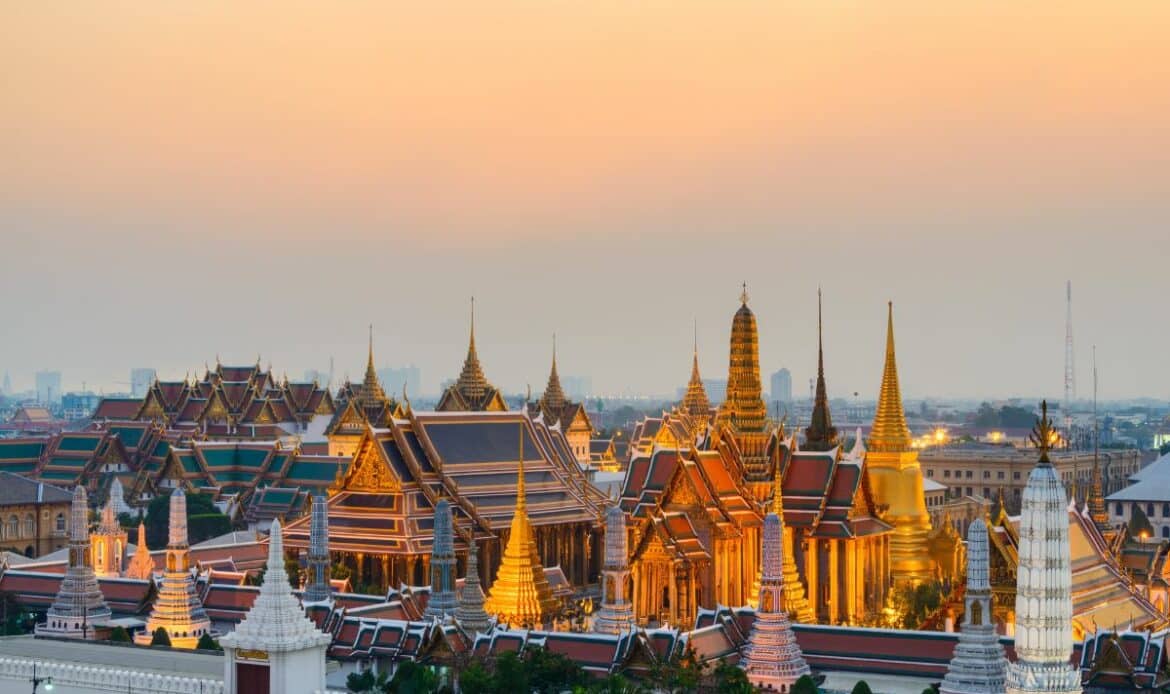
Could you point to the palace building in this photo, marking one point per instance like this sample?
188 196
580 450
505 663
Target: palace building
557 410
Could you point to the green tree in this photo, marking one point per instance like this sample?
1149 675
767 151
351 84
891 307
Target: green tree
682 672
552 672
475 679
511 673
119 635
916 603
804 685
206 643
292 567
862 687
160 638
412 678
204 520
732 679
614 684
365 681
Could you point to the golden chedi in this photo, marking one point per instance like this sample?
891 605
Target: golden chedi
521 595
895 477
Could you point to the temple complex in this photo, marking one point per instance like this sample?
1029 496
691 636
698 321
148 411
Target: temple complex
177 608
896 476
359 406
471 392
276 648
616 614
520 596
979 665
1044 610
79 606
772 658
557 410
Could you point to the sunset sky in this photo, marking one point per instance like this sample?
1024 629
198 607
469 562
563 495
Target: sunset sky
183 179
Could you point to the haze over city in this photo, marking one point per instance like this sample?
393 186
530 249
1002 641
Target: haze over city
182 184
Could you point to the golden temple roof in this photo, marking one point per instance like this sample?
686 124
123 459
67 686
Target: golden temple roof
472 383
889 432
372 394
521 594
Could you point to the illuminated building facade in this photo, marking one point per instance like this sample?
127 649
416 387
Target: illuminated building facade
177 609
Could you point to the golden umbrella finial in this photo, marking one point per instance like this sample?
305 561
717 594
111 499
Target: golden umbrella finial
1041 435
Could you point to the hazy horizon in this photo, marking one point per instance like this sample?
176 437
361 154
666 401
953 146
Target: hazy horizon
187 181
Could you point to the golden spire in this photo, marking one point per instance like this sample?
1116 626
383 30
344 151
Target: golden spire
695 402
820 435
778 492
520 594
890 433
472 384
553 400
372 393
744 405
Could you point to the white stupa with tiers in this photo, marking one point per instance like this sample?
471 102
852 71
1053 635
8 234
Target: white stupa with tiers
979 665
1043 582
443 601
772 658
276 648
616 614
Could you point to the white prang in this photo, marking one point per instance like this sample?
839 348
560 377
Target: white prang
1043 591
277 632
978 665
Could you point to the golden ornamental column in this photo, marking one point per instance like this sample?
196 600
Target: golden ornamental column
895 477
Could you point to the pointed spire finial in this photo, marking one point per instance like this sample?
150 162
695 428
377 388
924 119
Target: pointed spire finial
743 296
889 432
1041 435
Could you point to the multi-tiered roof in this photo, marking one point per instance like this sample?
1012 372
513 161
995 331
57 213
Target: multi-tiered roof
472 391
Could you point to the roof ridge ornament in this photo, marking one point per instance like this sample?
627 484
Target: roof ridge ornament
1042 433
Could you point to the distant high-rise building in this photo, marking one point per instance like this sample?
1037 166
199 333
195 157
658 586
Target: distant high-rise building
48 387
716 389
782 386
7 384
140 381
393 380
578 387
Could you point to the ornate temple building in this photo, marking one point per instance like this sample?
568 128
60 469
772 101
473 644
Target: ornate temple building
979 665
557 410
177 609
820 435
896 476
381 510
471 392
616 614
696 506
1044 610
695 405
79 606
772 658
141 566
520 596
237 402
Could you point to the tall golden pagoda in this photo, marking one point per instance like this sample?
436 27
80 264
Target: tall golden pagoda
743 410
520 595
896 477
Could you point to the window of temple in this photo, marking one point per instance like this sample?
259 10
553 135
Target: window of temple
1166 510
30 525
13 526
1120 509
976 614
999 475
60 522
1149 509
1166 531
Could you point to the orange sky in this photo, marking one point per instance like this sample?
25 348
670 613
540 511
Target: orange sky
455 132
